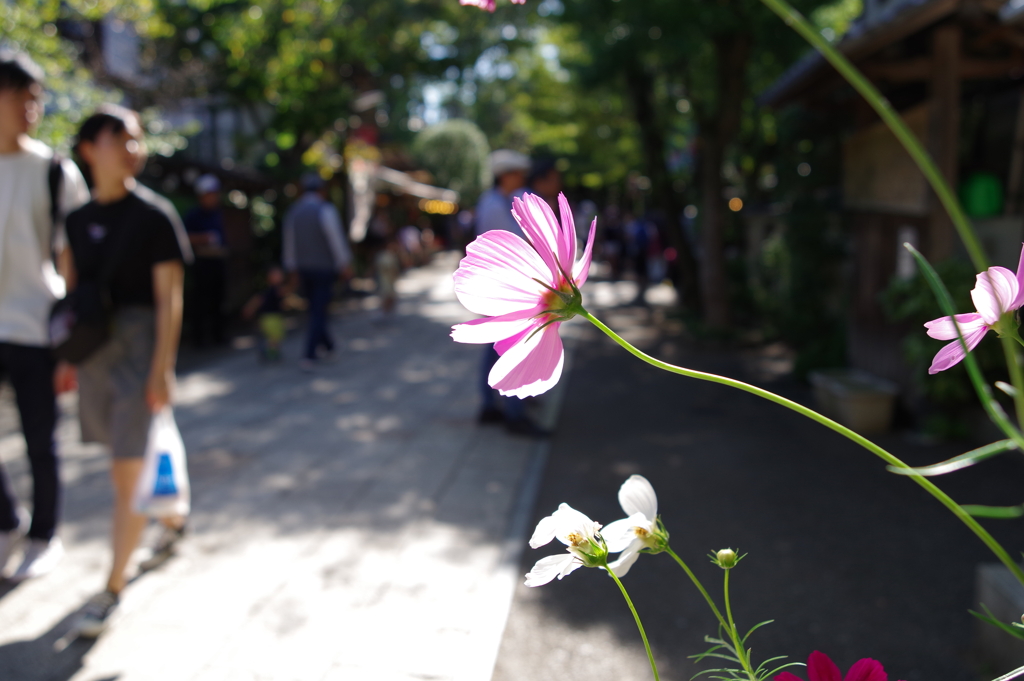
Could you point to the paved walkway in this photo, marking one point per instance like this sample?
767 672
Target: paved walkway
354 523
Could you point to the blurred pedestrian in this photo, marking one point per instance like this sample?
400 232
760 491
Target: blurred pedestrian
205 226
37 188
129 245
389 267
494 211
267 307
315 250
545 181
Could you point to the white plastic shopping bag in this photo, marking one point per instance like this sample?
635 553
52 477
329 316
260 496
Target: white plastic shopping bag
163 489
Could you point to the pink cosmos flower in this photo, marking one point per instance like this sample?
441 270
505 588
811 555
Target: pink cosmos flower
996 291
488 5
821 668
526 289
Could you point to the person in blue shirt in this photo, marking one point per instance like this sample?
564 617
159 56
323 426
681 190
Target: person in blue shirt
205 225
494 211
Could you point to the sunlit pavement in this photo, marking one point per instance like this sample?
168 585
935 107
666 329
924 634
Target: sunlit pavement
352 523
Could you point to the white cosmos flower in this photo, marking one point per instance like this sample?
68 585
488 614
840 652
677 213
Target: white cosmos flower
640 530
580 534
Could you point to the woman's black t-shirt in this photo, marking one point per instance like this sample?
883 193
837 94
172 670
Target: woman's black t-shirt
134 231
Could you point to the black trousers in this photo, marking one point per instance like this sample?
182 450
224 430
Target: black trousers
30 370
207 300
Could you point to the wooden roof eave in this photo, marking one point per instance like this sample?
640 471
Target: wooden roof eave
860 43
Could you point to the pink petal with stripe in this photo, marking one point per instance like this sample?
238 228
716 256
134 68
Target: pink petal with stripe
944 329
994 293
582 268
540 227
567 242
497 275
494 329
531 366
953 353
1019 301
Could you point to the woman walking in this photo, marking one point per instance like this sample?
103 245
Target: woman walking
126 243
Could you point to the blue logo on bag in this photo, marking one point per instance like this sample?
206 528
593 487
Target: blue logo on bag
164 477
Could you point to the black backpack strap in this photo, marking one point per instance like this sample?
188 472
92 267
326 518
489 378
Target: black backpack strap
55 181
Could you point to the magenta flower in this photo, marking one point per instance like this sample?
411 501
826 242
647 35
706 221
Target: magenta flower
821 668
526 289
488 5
996 291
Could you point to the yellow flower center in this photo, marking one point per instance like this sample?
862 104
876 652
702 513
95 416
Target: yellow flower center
641 532
576 539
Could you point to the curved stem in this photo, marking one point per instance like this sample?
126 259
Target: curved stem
892 119
867 444
639 624
700 587
734 634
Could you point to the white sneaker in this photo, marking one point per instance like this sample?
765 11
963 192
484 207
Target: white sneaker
41 557
164 548
10 540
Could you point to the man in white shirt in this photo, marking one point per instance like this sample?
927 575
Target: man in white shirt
314 248
30 235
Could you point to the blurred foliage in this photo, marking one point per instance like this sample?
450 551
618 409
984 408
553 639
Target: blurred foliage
455 153
799 285
949 392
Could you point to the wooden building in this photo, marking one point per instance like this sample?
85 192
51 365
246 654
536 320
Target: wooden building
954 69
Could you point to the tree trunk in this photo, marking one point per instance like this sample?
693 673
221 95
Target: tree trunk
641 85
732 52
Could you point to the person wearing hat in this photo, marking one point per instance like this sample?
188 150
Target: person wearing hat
494 211
315 250
205 226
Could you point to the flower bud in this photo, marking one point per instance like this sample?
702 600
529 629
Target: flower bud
726 559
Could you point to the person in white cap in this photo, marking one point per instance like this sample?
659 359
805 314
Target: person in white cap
205 225
494 211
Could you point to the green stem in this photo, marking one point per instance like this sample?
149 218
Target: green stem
639 624
700 587
734 634
890 459
881 105
1016 376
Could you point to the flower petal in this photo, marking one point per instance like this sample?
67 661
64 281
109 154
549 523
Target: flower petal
531 366
574 564
494 329
994 293
538 222
821 668
545 532
1019 301
570 521
944 329
786 676
582 268
498 275
567 242
953 353
867 670
619 534
621 565
637 496
548 568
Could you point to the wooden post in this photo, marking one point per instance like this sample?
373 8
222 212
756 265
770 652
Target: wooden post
944 131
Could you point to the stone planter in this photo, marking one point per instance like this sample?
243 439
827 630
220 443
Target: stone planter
854 398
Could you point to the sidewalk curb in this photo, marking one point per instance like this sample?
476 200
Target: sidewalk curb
506 576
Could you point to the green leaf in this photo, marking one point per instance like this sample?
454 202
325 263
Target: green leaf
1001 512
990 618
964 460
